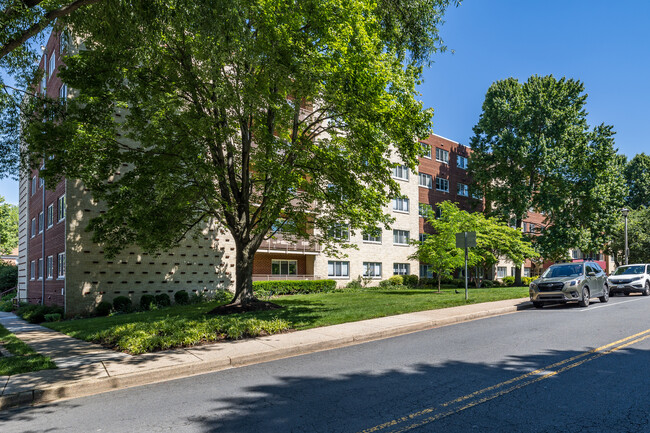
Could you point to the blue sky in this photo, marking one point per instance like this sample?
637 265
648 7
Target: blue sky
604 44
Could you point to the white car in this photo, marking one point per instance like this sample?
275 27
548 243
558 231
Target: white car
629 279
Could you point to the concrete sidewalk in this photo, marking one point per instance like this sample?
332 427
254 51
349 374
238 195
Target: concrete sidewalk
86 368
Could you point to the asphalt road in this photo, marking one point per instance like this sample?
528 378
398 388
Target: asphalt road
560 369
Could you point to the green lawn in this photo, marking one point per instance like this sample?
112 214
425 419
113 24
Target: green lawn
24 359
182 326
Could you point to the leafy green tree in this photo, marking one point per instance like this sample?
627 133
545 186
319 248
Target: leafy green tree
240 113
8 226
8 276
638 232
637 175
533 149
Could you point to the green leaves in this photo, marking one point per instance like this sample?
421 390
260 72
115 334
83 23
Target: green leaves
8 226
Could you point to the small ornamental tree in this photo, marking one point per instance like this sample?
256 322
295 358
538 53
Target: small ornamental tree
8 226
240 113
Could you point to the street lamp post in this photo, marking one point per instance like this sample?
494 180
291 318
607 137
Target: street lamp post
625 211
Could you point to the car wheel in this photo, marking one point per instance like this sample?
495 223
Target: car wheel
626 293
646 292
605 296
584 302
538 304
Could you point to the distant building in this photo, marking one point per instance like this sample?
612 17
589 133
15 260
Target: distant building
11 258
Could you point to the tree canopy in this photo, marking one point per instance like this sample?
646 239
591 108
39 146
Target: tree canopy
533 150
638 237
8 226
637 175
239 112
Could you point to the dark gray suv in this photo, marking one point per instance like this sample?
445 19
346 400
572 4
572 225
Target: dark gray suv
570 282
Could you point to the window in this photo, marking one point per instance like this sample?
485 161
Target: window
40 269
372 236
372 269
52 65
525 227
401 204
50 215
34 185
442 184
401 269
526 272
531 227
502 271
60 265
339 231
478 195
32 270
424 210
63 93
43 86
338 269
49 268
461 162
60 208
284 267
41 182
426 271
442 155
40 222
426 150
401 172
63 42
426 180
423 237
400 237
576 254
33 227
463 190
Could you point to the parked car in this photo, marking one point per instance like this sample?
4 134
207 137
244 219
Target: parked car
570 282
630 278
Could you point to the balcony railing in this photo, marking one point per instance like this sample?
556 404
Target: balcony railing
288 246
269 277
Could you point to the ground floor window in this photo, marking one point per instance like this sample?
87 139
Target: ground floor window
502 271
284 267
401 269
371 269
338 269
60 265
526 272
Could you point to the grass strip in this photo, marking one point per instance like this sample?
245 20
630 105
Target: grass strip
189 325
24 359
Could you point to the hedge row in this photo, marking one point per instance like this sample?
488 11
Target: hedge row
291 287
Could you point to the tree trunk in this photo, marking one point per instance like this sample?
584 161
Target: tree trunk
439 283
243 275
518 268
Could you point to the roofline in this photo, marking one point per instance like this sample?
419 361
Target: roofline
453 141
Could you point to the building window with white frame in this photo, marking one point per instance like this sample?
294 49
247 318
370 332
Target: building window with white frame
401 204
461 162
426 150
60 265
338 269
40 222
34 185
49 267
401 172
32 270
442 184
33 227
442 155
50 215
372 269
340 231
60 208
425 210
426 180
52 65
41 181
40 269
372 236
502 271
284 267
426 271
401 269
63 93
401 237
463 190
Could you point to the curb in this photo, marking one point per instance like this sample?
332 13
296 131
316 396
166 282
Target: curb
86 387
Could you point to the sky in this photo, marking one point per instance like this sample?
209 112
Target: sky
604 44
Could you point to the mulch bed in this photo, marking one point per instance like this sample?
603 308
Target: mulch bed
224 310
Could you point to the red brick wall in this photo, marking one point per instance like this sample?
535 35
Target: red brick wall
262 262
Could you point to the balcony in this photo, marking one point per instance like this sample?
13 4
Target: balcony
269 277
282 246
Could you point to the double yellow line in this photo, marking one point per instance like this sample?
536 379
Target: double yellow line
486 394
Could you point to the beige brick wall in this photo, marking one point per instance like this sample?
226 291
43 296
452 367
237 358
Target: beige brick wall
204 264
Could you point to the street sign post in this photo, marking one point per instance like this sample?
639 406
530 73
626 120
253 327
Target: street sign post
466 240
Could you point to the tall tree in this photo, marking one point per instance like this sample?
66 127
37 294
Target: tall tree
638 233
239 112
637 175
533 149
8 226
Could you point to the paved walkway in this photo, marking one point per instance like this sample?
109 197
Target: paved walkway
86 368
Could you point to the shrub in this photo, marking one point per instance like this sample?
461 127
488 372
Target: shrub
35 313
181 297
122 304
223 295
385 283
291 287
459 282
427 282
354 284
411 280
162 300
52 317
508 281
8 276
527 280
146 301
103 309
396 280
488 283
